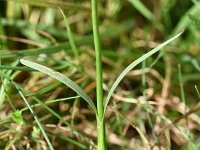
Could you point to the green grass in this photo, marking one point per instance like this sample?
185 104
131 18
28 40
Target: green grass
123 76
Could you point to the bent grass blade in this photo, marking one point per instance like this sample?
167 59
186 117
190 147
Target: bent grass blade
37 121
60 77
133 64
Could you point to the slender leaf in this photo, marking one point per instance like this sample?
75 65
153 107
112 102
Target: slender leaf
5 82
185 21
61 67
70 36
51 101
181 87
60 77
197 91
142 9
119 29
51 3
133 64
37 120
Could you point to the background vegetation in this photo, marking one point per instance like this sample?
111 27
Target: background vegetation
154 107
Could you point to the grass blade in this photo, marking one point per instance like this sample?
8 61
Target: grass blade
71 39
142 9
50 3
119 29
60 77
198 93
37 120
5 82
51 101
133 64
185 21
181 87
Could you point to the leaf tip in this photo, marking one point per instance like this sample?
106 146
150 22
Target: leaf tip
23 61
182 31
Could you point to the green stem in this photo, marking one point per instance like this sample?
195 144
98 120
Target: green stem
101 140
99 83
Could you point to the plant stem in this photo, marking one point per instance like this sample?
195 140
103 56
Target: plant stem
99 83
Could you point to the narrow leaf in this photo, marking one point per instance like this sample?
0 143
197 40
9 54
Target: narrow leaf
185 20
52 4
133 64
60 77
142 9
